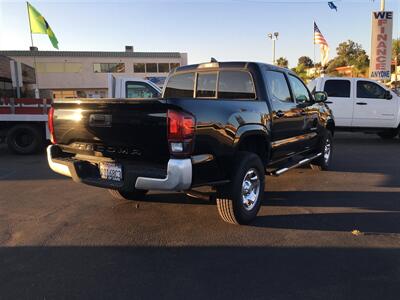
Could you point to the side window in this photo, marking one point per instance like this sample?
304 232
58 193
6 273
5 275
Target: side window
139 90
278 86
299 90
337 88
368 89
180 86
235 85
206 85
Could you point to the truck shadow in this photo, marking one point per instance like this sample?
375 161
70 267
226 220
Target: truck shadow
203 272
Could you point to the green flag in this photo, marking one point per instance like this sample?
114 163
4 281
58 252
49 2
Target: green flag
39 24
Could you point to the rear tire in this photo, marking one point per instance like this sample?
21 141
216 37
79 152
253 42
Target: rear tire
25 139
240 200
388 134
128 195
322 163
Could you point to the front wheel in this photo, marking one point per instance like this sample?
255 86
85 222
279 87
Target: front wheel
128 195
326 147
240 200
388 134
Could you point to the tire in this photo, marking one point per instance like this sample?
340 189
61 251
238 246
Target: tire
125 195
322 163
388 134
25 139
235 204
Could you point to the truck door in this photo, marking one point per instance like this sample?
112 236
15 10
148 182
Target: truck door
340 100
288 118
372 108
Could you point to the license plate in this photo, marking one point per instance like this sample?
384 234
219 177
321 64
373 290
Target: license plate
110 171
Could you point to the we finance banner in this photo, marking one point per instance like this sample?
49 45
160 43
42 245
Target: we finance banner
381 45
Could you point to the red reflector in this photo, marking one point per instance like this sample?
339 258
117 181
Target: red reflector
51 125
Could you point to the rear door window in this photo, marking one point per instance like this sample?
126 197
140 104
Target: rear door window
235 85
278 86
337 88
206 85
180 86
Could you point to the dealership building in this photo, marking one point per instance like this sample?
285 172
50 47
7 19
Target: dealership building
69 74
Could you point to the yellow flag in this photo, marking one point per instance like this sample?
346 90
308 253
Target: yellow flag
39 24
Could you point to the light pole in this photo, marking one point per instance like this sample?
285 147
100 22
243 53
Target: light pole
274 38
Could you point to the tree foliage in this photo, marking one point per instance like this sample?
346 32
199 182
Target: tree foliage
349 53
282 62
305 61
396 50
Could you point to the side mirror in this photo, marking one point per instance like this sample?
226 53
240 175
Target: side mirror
320 97
388 95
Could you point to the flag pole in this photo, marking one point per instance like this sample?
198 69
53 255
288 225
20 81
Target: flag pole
37 94
313 39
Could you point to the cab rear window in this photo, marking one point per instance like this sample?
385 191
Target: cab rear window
180 86
222 85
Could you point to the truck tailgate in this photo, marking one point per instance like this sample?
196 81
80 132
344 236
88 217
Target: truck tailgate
115 128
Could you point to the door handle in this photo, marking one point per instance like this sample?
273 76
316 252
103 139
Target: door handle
280 114
361 103
328 102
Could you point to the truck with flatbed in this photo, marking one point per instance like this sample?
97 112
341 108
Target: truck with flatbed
223 125
361 105
23 121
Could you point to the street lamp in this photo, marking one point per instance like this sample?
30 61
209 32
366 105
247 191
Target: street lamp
274 38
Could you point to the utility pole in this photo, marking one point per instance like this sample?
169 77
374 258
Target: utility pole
382 5
274 38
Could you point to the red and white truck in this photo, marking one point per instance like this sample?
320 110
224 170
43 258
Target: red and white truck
23 122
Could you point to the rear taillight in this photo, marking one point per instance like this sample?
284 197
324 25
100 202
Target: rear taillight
181 128
51 125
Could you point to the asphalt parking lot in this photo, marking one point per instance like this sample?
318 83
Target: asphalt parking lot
59 239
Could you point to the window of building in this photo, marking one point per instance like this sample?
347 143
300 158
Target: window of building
180 86
173 65
337 88
300 92
139 90
109 68
163 67
206 85
368 89
235 85
151 68
278 86
139 68
63 67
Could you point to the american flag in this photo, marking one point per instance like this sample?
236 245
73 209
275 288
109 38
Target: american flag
318 37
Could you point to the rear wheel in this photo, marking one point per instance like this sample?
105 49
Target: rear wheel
326 147
389 134
240 200
25 139
128 195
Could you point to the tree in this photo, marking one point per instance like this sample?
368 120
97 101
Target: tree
396 50
282 62
305 61
350 53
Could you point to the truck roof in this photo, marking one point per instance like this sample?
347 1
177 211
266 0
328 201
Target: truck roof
230 65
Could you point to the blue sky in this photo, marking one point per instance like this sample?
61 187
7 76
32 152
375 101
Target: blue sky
225 29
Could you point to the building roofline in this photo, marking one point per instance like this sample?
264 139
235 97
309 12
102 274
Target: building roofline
16 53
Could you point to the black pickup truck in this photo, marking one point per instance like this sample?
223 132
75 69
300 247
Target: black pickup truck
221 125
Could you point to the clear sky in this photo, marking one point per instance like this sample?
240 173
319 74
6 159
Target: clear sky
224 29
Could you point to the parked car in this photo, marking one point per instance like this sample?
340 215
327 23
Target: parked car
361 104
223 125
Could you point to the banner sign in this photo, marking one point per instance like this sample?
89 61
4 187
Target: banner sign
381 45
